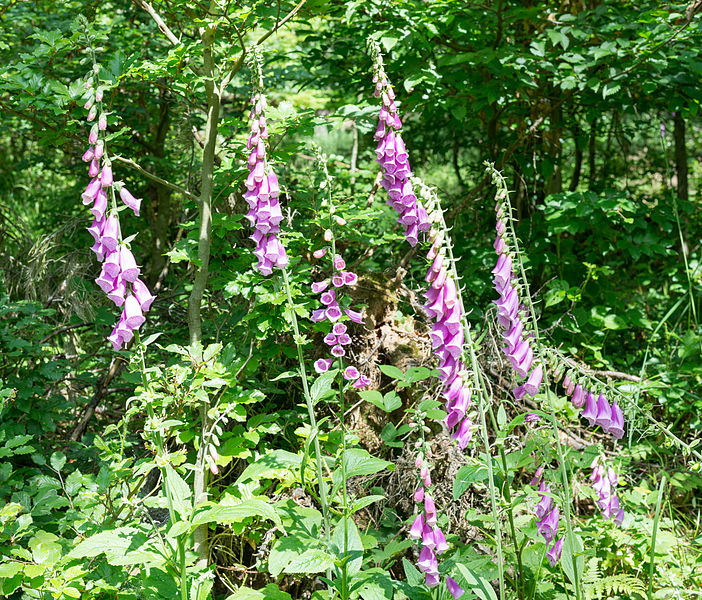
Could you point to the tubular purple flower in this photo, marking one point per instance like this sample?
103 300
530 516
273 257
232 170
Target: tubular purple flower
427 562
130 200
117 293
322 365
98 209
105 281
549 525
143 295
89 155
454 589
355 316
111 264
362 381
351 373
463 434
616 427
578 399
429 510
537 476
111 234
133 315
417 527
419 494
319 286
339 328
590 412
604 413
440 541
91 192
554 553
431 580
532 385
106 178
338 351
129 268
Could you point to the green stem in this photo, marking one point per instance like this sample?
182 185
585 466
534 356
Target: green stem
652 556
310 409
502 186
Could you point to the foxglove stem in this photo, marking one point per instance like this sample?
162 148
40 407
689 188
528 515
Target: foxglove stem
310 411
503 195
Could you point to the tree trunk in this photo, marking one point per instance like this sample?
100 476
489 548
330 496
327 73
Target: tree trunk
681 170
578 165
591 154
200 281
554 184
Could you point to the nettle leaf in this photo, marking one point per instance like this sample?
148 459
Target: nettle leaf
365 501
360 462
179 492
122 547
311 561
236 513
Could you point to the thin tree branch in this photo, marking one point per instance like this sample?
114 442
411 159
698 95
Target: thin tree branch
156 178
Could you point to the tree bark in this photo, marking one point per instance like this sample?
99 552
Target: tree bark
203 253
578 165
554 184
681 170
591 153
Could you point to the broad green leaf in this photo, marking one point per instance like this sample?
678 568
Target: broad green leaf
360 462
272 465
310 561
392 372
322 385
252 507
354 546
179 492
566 561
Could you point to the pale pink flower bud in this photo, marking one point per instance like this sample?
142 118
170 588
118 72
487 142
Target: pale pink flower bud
319 253
102 122
328 235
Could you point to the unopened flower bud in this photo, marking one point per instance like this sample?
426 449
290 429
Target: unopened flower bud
340 221
328 235
319 253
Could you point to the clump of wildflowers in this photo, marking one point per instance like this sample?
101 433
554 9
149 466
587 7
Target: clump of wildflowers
119 277
509 314
393 158
604 482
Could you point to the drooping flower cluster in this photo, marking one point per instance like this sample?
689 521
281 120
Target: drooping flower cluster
393 159
338 338
447 339
596 411
547 517
262 191
517 342
425 528
119 277
604 481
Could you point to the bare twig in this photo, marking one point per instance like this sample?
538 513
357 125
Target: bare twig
156 178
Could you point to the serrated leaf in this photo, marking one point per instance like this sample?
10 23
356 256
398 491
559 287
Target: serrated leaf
252 507
311 561
322 385
57 460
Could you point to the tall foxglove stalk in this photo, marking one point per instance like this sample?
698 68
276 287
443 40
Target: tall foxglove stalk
119 277
262 188
502 198
393 158
604 481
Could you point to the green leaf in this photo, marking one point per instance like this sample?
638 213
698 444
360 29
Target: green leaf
57 460
252 507
360 462
365 501
354 547
179 492
392 372
466 476
275 464
374 397
478 585
322 385
313 560
567 558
